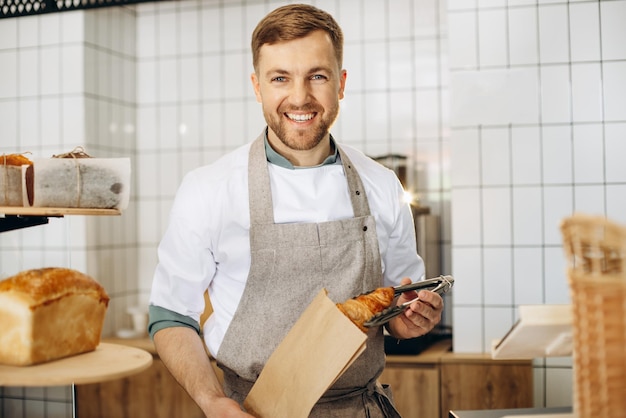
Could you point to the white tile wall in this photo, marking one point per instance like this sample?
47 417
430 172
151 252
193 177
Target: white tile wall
527 209
614 91
522 34
584 31
555 94
492 47
537 114
528 274
615 148
68 84
495 157
613 31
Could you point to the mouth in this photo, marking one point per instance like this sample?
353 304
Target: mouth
300 117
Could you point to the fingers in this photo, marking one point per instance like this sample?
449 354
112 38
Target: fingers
406 296
425 313
431 298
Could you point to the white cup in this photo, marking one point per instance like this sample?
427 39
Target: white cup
139 316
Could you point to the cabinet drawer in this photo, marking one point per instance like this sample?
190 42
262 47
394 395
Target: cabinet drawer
415 389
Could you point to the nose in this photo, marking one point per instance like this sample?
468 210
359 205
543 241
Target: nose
300 91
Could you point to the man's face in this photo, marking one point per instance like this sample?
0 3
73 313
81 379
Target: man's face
299 84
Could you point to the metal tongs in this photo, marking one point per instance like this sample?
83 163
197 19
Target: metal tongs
439 285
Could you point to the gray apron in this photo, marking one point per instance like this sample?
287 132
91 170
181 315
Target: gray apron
290 264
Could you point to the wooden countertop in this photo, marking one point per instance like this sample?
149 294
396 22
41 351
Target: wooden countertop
439 352
430 355
107 362
479 358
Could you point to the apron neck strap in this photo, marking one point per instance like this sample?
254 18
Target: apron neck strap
360 205
260 193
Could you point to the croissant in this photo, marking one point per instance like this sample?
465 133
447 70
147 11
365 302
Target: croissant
361 308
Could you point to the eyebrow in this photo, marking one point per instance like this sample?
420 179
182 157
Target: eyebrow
313 70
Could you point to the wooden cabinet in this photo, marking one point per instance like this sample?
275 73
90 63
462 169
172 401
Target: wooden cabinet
427 385
153 393
476 382
437 381
415 389
414 381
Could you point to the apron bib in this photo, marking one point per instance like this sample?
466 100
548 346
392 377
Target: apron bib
290 264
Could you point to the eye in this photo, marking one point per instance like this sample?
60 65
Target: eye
278 79
319 77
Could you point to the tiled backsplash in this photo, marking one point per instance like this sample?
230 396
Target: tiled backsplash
538 118
71 82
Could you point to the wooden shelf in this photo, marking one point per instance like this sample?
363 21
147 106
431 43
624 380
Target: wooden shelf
31 211
18 217
106 362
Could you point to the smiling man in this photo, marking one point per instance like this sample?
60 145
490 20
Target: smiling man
268 225
299 83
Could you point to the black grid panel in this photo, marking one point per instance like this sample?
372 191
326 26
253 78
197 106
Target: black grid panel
17 8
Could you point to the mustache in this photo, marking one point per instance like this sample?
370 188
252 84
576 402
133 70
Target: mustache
305 108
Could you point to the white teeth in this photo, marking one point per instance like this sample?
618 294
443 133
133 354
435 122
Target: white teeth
300 118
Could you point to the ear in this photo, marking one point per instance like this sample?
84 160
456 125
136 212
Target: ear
256 86
342 83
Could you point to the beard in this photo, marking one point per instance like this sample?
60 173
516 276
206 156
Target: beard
303 139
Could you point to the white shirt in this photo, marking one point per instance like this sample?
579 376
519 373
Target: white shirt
206 244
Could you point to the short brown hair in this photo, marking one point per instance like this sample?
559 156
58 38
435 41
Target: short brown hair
295 21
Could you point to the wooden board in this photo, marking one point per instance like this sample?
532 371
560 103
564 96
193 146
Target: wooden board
541 331
107 362
31 211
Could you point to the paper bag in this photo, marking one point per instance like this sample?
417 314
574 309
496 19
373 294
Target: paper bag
320 346
10 185
77 183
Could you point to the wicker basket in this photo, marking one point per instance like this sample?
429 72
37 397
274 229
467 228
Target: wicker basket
596 249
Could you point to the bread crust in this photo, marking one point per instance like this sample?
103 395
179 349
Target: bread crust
40 286
49 313
14 160
361 308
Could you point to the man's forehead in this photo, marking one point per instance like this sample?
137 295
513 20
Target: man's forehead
314 51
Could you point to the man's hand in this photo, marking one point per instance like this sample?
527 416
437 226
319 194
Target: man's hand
223 407
420 317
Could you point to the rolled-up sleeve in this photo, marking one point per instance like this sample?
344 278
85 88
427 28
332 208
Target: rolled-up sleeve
161 318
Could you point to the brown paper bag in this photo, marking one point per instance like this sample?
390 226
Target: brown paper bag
320 346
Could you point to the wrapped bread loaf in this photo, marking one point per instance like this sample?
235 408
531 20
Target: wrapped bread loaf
11 179
49 313
361 308
76 180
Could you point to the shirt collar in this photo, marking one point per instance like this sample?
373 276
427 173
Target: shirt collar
275 158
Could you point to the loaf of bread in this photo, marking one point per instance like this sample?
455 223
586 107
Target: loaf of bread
11 179
77 183
49 313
